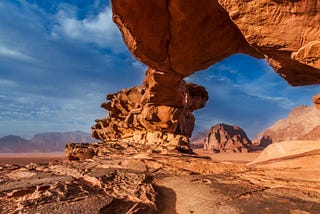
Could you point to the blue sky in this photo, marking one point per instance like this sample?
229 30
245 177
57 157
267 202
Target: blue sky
58 60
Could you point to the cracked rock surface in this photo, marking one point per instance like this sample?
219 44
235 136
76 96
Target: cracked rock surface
146 182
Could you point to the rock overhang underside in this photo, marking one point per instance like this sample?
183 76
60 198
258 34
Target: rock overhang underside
187 36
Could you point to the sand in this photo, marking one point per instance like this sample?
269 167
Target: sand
239 158
26 158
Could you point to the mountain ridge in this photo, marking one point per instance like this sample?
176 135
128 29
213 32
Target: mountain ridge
43 142
301 121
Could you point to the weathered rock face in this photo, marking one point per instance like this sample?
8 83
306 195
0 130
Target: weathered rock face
316 101
299 123
286 32
290 154
226 138
159 112
184 36
314 134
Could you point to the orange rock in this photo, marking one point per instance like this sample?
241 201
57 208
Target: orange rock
290 154
144 25
300 121
187 36
286 32
184 36
176 38
316 101
147 114
226 138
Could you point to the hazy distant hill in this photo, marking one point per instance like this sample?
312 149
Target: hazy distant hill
43 142
11 143
302 123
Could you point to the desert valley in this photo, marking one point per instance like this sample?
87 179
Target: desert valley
142 155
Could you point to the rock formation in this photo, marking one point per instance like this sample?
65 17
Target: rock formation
301 121
174 35
176 38
226 138
177 35
314 134
158 113
290 154
316 101
286 32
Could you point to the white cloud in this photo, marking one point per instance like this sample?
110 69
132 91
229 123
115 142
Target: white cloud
99 30
10 52
226 68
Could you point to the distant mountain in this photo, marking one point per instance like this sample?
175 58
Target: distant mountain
301 123
223 138
43 142
197 141
11 143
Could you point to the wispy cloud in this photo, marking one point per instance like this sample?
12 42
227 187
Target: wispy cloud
99 29
63 85
4 83
15 54
253 97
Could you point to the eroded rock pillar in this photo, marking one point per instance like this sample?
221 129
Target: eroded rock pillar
159 113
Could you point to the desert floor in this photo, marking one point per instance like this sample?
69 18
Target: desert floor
229 157
26 158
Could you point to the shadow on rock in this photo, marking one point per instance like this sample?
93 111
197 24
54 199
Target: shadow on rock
118 206
166 200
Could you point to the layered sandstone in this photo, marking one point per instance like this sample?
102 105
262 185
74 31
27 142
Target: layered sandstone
158 113
301 121
226 138
290 154
314 134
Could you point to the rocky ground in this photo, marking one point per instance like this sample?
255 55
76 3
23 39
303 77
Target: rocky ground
147 182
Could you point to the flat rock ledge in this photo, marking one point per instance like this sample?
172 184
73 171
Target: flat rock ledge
119 181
